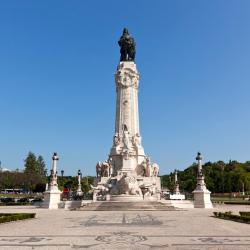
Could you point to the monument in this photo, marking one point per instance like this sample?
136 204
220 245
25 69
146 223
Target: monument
79 192
128 174
176 194
201 193
52 195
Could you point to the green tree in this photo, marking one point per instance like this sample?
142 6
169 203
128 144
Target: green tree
220 177
41 166
30 165
34 169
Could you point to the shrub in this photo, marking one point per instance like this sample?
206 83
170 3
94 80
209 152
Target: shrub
15 203
229 216
7 217
246 214
237 202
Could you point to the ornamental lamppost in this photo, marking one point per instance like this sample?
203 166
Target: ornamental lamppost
79 188
52 194
201 193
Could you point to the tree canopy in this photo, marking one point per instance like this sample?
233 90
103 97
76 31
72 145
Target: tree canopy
34 165
220 177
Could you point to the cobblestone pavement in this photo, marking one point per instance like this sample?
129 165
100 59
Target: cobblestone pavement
185 229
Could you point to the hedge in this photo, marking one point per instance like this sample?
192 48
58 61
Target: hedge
246 214
237 202
234 217
7 217
15 203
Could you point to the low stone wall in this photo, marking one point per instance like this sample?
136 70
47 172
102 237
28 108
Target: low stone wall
179 203
67 205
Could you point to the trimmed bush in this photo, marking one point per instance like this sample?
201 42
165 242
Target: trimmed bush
15 203
237 202
7 217
246 214
233 217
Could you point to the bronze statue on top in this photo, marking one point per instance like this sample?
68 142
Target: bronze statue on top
127 45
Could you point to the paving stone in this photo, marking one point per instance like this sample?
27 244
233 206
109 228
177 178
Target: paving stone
182 229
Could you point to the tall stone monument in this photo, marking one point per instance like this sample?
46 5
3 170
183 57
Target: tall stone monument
52 195
128 174
79 186
201 193
176 183
176 193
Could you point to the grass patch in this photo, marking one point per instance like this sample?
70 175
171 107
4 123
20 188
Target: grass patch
7 217
244 217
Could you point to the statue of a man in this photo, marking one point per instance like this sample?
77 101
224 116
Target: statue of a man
127 45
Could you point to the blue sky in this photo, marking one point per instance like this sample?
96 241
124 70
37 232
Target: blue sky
57 65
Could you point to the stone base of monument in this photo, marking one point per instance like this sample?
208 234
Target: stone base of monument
52 199
139 189
126 198
202 199
68 205
127 206
179 203
177 197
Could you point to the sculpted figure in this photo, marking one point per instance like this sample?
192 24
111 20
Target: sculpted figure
116 139
127 46
114 188
98 170
147 167
137 140
155 169
105 169
101 189
126 139
152 190
110 166
129 185
143 171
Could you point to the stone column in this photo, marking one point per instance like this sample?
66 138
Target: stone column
176 194
53 181
53 194
176 184
79 188
201 193
127 82
127 152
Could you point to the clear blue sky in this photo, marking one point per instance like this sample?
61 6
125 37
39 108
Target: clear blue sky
57 65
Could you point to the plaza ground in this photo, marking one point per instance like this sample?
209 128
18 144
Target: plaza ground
182 229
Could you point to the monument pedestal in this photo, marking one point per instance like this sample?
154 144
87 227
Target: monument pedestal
202 199
126 198
177 197
201 193
176 194
52 198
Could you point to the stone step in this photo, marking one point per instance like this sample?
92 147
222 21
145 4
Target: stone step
126 206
